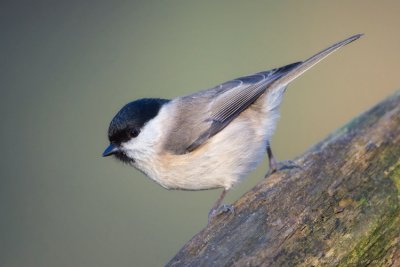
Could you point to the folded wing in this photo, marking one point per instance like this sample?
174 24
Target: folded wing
216 107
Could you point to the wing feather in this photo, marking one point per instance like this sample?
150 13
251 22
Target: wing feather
229 104
216 107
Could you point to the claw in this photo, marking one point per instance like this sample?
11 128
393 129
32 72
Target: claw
215 212
282 165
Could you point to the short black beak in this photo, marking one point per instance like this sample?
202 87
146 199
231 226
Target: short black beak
110 150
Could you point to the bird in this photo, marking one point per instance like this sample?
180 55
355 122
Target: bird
209 139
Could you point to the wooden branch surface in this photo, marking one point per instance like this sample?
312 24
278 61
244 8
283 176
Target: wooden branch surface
341 209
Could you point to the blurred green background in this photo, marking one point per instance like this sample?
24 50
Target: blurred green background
66 67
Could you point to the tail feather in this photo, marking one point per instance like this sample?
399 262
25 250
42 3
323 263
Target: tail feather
309 63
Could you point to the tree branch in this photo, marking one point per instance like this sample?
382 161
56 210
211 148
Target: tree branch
341 209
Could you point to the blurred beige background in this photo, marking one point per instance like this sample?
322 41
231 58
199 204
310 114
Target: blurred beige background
66 67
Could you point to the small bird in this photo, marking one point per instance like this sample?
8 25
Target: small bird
209 139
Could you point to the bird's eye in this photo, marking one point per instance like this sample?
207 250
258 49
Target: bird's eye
134 133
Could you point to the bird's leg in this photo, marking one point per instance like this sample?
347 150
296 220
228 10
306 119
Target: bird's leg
275 165
218 209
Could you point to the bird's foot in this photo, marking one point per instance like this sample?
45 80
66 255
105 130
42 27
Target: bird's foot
215 212
282 165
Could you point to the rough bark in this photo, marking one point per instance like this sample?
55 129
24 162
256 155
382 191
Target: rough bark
342 208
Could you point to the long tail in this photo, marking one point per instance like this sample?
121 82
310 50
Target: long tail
307 64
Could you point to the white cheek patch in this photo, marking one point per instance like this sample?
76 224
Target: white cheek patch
142 145
146 144
129 148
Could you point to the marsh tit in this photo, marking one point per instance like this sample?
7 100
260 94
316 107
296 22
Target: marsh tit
209 139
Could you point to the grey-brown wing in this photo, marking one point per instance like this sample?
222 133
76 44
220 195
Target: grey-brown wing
216 108
229 104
